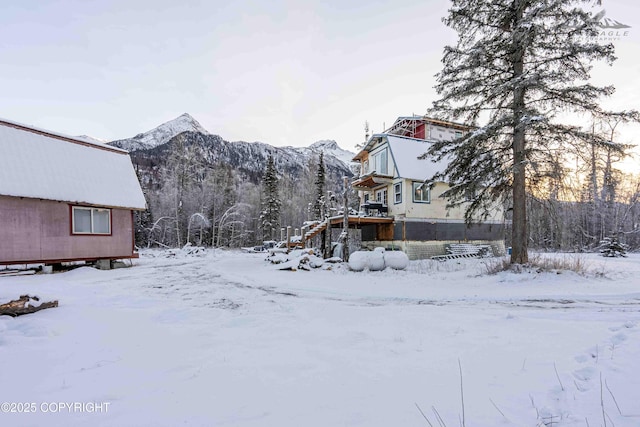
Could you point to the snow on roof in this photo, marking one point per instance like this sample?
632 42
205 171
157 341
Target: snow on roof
83 138
405 153
40 164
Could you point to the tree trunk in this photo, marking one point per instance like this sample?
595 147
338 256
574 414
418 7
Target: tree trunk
345 221
23 306
519 237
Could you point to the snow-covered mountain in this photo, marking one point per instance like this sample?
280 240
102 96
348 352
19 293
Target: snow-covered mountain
164 133
161 134
248 158
331 148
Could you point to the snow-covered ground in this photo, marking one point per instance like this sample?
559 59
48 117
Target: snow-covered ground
225 339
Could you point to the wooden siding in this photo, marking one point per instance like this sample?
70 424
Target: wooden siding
33 230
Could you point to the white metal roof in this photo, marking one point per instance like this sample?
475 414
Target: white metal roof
405 153
45 165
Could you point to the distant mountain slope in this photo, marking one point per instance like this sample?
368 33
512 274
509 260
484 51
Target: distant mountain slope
248 158
331 148
161 134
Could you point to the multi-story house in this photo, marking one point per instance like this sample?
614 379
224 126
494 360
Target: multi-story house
391 185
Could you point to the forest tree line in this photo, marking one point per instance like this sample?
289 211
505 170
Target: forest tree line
586 197
214 204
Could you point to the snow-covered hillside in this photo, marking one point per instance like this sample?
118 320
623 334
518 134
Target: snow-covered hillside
227 340
164 133
161 134
331 148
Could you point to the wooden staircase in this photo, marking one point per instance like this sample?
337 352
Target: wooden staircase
315 230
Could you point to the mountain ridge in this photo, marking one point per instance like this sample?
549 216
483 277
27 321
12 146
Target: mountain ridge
160 134
165 132
215 148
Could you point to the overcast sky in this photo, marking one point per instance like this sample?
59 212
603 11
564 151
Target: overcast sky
281 72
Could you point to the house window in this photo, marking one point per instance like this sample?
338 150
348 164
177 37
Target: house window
381 196
90 220
421 193
397 192
380 162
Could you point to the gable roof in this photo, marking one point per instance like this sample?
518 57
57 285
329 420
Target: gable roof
45 165
405 152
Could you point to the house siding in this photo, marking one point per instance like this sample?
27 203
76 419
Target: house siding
436 209
34 230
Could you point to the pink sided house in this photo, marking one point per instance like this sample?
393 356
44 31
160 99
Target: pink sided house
64 198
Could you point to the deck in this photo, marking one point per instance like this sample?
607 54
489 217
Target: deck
337 222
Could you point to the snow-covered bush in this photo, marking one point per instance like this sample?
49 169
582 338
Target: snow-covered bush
612 247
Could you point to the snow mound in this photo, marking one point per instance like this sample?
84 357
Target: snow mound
378 260
359 260
396 260
299 259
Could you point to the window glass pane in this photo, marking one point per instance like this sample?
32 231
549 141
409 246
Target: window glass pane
420 192
397 192
101 221
383 162
379 162
81 220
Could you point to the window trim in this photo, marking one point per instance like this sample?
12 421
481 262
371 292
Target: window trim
413 192
380 167
73 208
397 196
382 196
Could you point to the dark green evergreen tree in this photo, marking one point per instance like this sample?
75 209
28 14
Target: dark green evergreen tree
270 214
516 66
611 247
319 182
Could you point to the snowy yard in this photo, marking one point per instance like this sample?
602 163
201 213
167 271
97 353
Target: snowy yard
225 339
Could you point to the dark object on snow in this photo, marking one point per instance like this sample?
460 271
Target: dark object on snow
24 306
611 247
